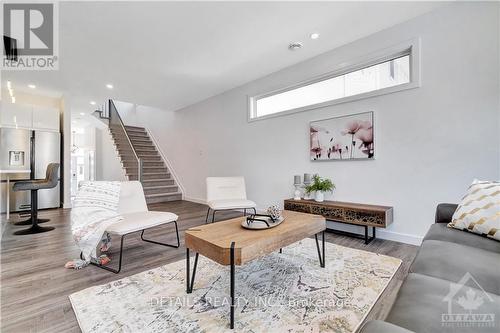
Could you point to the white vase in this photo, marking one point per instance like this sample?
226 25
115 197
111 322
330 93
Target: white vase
319 196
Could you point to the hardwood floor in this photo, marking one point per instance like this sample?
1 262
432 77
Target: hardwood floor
35 285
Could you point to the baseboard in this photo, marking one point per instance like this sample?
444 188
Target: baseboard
399 237
197 200
381 233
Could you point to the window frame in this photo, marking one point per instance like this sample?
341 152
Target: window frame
411 48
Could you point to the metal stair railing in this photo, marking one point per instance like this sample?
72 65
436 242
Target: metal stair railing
116 121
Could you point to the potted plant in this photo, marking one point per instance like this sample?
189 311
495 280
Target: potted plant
319 186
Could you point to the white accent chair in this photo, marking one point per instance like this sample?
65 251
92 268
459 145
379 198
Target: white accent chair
136 217
227 193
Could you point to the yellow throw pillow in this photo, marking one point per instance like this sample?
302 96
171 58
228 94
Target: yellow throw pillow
479 211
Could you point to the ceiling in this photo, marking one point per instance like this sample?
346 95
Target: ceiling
173 54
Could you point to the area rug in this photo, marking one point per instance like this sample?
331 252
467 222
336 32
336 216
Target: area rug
287 292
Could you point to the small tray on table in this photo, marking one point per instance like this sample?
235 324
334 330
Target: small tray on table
259 222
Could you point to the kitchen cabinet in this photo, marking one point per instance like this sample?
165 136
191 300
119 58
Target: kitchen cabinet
27 116
16 115
45 118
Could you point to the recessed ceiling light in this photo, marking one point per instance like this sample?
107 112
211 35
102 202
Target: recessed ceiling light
82 114
92 103
294 46
9 85
314 35
109 86
31 86
13 100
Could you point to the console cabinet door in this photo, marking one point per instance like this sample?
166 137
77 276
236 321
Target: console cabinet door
45 118
16 115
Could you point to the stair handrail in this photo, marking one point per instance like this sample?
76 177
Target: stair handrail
114 111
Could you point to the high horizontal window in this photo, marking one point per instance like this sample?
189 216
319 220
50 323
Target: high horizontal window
379 76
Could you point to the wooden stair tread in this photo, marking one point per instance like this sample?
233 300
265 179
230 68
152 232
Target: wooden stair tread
158 187
156 195
156 180
134 127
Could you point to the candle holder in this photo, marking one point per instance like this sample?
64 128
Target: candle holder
307 182
307 196
296 194
297 182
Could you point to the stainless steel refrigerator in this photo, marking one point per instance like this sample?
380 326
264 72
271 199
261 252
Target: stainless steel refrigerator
15 154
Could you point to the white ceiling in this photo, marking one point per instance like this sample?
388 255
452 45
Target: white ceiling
173 54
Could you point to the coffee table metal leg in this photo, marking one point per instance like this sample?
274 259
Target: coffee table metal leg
190 282
323 240
321 253
232 285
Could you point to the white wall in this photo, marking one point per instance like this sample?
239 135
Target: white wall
108 162
128 113
431 141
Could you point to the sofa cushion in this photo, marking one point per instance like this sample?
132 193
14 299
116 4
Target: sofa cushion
479 211
424 305
451 261
377 326
439 231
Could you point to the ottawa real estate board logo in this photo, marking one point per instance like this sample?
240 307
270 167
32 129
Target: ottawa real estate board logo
469 306
30 36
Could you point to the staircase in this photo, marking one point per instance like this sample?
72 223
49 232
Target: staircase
156 179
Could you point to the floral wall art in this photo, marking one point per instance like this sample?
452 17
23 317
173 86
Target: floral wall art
342 138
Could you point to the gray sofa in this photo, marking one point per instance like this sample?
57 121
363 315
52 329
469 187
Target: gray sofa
453 284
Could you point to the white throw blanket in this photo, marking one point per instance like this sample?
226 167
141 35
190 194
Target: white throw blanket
95 208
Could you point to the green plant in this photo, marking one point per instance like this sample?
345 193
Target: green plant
320 184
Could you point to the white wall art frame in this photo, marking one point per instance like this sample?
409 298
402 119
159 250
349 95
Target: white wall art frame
349 137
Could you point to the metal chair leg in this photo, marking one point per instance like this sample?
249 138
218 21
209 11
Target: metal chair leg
33 220
208 213
116 271
164 244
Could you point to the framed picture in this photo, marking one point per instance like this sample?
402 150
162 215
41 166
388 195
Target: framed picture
348 137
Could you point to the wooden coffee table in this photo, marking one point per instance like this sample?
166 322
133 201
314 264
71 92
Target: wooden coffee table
228 243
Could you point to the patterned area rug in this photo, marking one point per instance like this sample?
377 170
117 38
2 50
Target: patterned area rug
286 292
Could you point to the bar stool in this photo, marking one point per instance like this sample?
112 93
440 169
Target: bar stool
34 185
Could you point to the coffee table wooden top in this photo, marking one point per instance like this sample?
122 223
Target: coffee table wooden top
214 240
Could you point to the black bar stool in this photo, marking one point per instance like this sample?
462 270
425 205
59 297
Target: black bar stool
34 185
